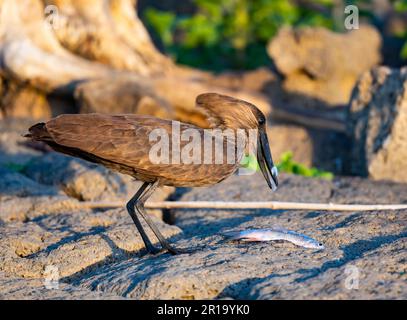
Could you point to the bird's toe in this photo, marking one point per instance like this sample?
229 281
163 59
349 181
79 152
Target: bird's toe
176 251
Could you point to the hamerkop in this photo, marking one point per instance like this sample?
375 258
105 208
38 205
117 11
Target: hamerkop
124 143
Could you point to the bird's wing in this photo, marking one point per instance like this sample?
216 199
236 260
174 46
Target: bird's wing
218 108
210 103
119 138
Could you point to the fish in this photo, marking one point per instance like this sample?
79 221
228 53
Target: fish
274 234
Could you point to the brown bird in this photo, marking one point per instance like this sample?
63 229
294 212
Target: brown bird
125 143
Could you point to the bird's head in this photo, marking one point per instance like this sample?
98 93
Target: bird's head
227 112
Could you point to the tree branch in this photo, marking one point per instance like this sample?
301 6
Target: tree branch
274 205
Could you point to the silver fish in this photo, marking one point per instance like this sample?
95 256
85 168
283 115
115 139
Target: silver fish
274 234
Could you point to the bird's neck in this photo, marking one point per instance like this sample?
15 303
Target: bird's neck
240 139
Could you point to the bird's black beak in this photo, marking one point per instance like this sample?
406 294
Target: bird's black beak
265 160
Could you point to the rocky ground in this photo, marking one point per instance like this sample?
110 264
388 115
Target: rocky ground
97 254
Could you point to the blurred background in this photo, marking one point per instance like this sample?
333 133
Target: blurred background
233 34
327 73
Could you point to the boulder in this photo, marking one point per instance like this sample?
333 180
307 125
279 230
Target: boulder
78 178
323 149
83 180
72 241
23 101
16 184
377 123
322 66
119 95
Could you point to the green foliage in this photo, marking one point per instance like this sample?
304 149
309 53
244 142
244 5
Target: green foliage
403 52
288 165
401 6
15 166
162 23
250 162
230 34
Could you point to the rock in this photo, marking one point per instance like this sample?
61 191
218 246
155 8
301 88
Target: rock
323 149
12 151
377 122
86 181
321 51
16 184
27 208
23 101
119 96
323 65
80 179
15 288
71 241
253 80
373 243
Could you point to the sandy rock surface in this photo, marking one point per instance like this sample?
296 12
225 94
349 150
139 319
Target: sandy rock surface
370 246
24 289
98 254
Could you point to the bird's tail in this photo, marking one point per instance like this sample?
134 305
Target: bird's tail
38 132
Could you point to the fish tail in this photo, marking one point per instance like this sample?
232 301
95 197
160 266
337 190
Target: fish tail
238 236
232 235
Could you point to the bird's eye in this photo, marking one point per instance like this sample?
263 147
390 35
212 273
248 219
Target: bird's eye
261 121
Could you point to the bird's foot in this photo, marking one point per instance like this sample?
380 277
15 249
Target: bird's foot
170 249
153 250
175 251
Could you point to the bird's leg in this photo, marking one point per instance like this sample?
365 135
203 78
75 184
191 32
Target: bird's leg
140 206
130 208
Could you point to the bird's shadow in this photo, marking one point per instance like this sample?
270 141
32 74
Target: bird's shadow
238 217
351 252
149 264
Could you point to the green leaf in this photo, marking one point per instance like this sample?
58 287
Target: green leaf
403 52
162 22
400 6
15 166
288 165
250 162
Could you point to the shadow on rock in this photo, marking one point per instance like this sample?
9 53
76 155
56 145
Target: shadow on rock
350 253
